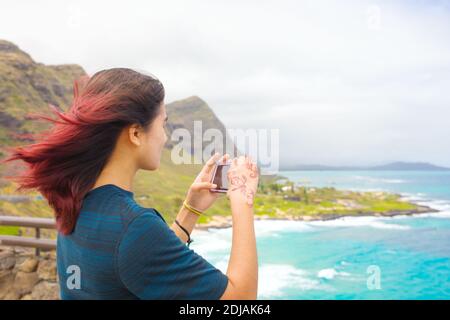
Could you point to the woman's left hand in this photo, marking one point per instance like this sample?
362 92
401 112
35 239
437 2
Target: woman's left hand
199 195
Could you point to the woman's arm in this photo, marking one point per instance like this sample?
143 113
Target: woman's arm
188 220
242 269
199 196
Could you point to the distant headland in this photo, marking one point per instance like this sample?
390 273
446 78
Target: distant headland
393 166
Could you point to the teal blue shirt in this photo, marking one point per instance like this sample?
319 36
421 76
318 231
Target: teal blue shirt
120 250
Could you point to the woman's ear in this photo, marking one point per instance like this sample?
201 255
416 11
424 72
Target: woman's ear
135 134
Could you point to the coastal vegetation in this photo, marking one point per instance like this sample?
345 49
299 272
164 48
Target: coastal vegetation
277 198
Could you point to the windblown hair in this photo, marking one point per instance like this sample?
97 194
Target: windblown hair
66 161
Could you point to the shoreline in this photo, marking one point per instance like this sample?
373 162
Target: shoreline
223 222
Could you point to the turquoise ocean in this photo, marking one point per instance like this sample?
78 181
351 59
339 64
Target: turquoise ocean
338 259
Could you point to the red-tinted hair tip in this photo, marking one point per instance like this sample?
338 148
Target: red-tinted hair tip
65 162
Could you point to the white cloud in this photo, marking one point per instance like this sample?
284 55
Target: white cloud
347 82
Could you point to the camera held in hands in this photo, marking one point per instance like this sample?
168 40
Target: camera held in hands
219 177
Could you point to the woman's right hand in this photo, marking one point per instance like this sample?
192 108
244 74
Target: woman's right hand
243 177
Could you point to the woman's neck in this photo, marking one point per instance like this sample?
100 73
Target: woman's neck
119 172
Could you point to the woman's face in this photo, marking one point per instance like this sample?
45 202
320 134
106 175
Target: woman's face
153 141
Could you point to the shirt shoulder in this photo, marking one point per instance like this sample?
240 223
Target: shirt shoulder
110 200
153 263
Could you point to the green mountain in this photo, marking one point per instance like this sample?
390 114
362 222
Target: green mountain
185 113
27 86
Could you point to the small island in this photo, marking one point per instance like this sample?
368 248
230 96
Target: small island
278 199
287 201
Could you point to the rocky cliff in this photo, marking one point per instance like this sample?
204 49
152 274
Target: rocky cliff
28 87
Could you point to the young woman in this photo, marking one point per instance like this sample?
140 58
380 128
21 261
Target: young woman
108 246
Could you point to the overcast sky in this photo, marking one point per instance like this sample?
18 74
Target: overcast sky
346 82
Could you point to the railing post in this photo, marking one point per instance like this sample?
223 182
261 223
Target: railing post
36 242
38 235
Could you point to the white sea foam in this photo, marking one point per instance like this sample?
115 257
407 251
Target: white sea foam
271 227
275 278
214 240
380 180
438 204
274 227
440 214
331 273
420 198
222 264
215 244
373 222
412 197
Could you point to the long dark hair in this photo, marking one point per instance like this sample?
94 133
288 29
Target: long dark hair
67 160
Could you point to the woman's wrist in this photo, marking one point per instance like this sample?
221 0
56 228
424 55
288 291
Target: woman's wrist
239 198
187 220
193 209
239 206
186 232
187 216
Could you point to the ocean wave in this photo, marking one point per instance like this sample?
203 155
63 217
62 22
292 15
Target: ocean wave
331 273
274 227
413 197
438 204
440 214
214 240
219 240
373 222
380 180
275 278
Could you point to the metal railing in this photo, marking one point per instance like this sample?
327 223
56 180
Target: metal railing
36 223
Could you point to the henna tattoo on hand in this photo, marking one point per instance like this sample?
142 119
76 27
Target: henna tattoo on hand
253 170
240 183
250 197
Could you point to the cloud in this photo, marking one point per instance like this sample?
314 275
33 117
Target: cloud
346 82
